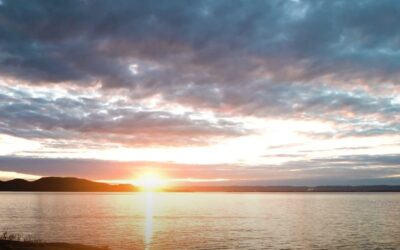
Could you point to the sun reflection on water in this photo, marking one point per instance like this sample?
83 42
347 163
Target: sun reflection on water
148 229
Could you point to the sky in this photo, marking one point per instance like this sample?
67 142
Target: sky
274 92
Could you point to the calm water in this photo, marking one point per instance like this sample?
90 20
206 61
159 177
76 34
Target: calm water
208 220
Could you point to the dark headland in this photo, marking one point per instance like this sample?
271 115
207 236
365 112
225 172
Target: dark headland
63 184
71 184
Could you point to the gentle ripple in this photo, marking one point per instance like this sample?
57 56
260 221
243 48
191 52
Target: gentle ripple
207 220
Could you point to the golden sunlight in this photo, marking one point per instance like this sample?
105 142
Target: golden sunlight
150 181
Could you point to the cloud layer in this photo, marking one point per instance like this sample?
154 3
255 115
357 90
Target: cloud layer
100 120
133 74
79 41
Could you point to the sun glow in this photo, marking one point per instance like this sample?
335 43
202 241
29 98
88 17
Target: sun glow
150 181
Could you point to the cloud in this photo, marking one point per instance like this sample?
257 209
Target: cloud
201 54
86 74
365 160
350 169
84 41
100 169
100 120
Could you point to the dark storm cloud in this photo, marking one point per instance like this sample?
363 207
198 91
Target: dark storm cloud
101 120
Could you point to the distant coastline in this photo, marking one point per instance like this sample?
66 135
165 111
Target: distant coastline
71 184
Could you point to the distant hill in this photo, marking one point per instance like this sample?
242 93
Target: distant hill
63 184
70 184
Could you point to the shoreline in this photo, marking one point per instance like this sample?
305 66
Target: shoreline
392 189
31 245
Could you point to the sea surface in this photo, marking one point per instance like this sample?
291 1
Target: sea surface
207 220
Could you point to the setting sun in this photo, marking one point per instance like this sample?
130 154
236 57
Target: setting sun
150 181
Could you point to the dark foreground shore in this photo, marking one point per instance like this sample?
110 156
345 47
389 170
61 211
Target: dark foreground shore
22 245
